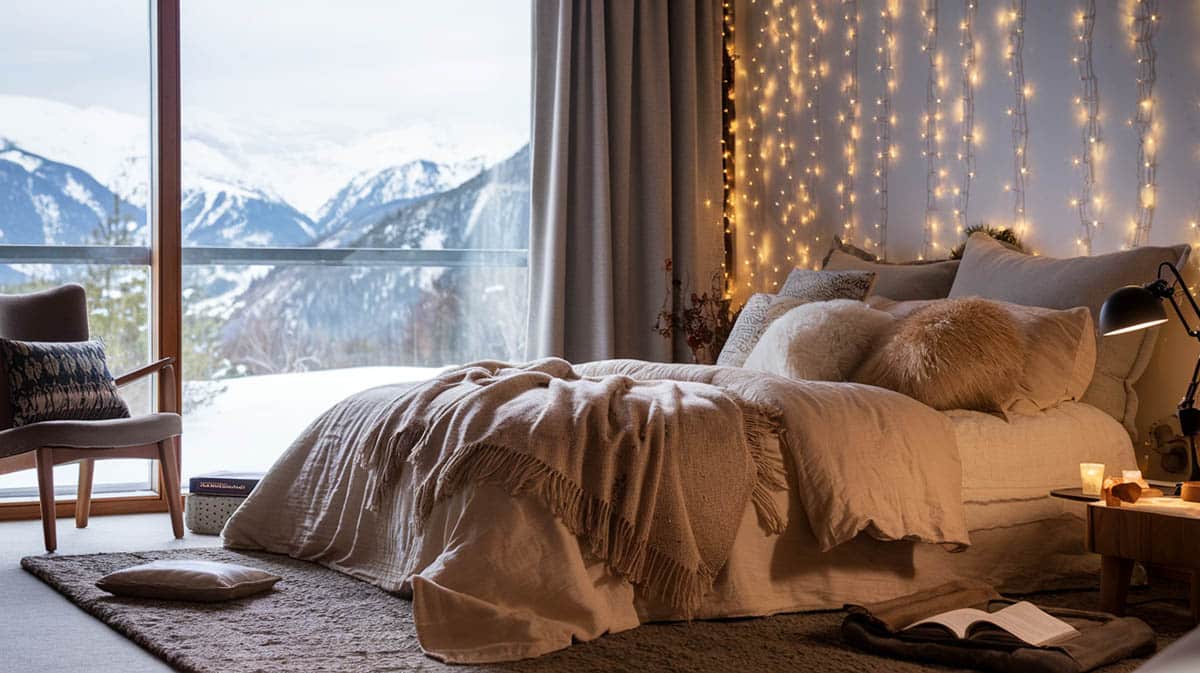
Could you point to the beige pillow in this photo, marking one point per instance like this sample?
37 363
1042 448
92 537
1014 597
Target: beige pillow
951 354
992 271
926 280
1060 352
819 341
186 580
802 286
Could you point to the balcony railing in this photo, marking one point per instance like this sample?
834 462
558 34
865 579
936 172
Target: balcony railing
134 255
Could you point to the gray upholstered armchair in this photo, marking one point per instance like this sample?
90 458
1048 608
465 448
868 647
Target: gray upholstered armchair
61 315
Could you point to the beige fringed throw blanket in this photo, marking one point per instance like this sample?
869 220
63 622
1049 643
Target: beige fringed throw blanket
653 476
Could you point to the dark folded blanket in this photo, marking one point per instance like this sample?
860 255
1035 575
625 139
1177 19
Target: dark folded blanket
1103 638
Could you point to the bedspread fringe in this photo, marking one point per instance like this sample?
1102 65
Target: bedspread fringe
609 536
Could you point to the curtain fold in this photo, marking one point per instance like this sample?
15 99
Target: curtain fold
626 171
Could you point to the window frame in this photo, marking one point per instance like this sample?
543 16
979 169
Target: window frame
164 214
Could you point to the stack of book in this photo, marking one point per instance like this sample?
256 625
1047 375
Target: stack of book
214 497
237 484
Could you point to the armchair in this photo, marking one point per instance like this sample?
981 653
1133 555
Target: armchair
60 314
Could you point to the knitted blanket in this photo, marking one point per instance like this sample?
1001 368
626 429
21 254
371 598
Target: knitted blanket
653 476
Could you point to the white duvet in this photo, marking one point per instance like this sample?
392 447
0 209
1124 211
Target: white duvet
495 577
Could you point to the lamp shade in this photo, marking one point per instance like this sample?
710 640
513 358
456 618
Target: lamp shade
1129 309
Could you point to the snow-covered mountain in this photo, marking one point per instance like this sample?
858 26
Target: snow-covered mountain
47 202
221 214
278 154
371 195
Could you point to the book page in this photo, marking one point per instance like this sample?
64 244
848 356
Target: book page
1023 620
1029 623
958 621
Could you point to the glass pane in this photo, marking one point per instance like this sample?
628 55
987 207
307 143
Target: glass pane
329 134
74 149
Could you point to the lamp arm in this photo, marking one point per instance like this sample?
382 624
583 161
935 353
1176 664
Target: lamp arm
1162 289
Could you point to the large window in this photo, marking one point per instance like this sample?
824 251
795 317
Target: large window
74 176
355 206
355 197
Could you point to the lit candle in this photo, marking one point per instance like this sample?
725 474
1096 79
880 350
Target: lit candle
1134 475
1092 476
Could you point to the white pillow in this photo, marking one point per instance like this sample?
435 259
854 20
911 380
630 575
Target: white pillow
821 341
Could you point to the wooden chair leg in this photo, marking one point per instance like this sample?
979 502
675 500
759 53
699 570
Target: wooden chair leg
83 495
169 461
45 477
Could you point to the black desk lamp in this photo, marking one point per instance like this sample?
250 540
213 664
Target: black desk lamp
1133 308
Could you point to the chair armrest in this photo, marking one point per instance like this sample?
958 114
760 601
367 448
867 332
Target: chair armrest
143 372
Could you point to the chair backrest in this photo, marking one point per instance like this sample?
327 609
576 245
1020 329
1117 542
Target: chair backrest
58 314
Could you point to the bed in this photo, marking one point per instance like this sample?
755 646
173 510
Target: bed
882 496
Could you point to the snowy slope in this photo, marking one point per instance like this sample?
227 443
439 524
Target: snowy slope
370 195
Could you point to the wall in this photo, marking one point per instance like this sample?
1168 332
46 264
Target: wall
794 121
775 130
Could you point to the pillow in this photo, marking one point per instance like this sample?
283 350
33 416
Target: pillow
1060 351
919 280
952 354
186 580
812 285
802 286
992 271
59 381
758 312
819 341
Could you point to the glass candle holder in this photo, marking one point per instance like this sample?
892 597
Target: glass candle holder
1092 477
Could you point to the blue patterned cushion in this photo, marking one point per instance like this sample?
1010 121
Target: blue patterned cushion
50 381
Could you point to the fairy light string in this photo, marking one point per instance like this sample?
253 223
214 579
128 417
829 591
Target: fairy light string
968 78
848 118
1015 20
931 133
1087 203
812 105
1145 27
884 120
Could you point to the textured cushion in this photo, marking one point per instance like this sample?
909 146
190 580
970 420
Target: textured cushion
1060 351
204 581
922 280
59 381
759 312
990 270
819 341
953 354
802 286
136 431
809 285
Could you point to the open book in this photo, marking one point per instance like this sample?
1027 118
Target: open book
1023 621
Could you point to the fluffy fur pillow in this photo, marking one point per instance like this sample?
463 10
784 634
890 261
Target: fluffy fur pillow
821 341
952 354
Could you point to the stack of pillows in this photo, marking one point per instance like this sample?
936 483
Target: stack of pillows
999 331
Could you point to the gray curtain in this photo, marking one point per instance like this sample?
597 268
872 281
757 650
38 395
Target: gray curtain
626 170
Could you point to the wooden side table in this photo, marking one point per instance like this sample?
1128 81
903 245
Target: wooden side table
1166 534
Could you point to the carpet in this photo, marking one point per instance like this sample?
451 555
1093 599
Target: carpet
318 620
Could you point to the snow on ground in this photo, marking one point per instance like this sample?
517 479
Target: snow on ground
248 425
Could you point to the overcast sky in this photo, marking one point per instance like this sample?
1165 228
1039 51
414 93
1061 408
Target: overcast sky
338 69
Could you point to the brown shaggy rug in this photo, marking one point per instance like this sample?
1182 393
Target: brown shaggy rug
318 620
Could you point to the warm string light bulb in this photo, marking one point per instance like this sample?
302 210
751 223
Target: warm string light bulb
884 119
728 143
812 107
848 119
931 132
1087 204
1015 20
969 78
1145 27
